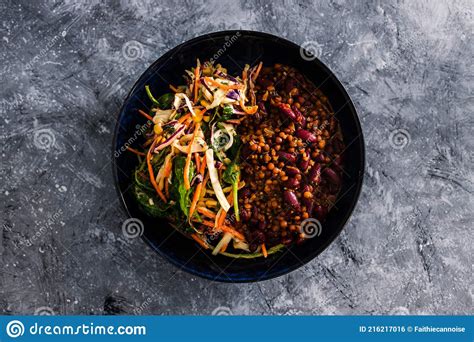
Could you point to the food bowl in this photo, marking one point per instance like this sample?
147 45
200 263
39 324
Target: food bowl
234 49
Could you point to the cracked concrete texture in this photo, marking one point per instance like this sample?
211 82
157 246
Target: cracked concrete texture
65 68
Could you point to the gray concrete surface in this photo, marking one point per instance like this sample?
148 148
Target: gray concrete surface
65 69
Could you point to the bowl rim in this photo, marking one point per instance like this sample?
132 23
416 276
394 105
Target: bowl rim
359 180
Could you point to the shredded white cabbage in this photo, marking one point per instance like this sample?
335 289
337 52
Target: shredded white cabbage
213 175
219 96
162 116
225 240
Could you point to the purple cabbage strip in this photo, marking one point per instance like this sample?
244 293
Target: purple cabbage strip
168 141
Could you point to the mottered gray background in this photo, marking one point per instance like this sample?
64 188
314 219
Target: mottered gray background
66 67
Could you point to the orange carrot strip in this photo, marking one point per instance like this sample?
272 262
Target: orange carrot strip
223 86
135 151
232 231
199 241
208 223
197 192
254 76
150 171
221 219
187 185
226 229
168 168
235 122
184 117
206 212
204 183
145 114
198 161
248 110
264 250
197 71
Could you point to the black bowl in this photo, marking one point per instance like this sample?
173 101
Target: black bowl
234 49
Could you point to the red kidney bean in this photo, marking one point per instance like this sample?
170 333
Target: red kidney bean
289 157
303 164
291 198
320 158
285 109
308 203
314 174
292 183
292 171
306 135
320 212
245 214
332 176
299 116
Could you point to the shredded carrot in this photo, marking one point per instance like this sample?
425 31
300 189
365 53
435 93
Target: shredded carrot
199 241
173 88
222 86
197 71
254 76
204 183
248 110
135 151
206 212
145 114
197 192
226 229
187 185
208 223
264 250
235 122
150 171
198 161
221 220
232 231
184 118
168 167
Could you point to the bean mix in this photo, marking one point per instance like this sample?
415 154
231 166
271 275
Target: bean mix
291 158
